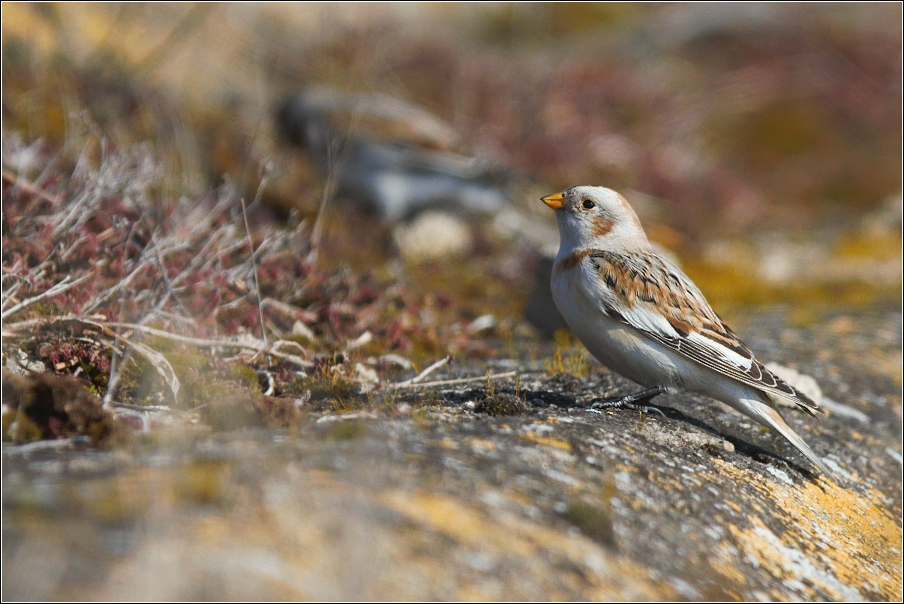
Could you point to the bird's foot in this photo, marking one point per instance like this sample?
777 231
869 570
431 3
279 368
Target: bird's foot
632 401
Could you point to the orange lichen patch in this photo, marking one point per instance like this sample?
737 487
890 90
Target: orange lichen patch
843 543
887 364
606 576
546 441
458 521
480 443
318 533
723 564
841 326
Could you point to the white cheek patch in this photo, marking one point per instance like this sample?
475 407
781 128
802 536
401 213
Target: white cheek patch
723 351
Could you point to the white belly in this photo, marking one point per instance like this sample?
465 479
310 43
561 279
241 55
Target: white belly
618 346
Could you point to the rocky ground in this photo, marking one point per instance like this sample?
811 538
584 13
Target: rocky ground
500 490
238 238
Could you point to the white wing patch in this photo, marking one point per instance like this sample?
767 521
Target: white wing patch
722 351
649 320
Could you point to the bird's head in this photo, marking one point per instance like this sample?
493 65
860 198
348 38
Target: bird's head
595 217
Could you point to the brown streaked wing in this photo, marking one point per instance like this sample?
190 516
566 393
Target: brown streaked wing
648 282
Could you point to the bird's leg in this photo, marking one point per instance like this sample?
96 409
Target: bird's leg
632 401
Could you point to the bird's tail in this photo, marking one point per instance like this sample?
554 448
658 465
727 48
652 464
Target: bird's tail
770 417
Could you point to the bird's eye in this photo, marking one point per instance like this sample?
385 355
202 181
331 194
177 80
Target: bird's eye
588 204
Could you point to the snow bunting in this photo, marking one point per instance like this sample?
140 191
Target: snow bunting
639 315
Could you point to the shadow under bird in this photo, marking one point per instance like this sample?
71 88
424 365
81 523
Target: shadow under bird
642 317
387 154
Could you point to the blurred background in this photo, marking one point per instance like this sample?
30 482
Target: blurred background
760 143
385 163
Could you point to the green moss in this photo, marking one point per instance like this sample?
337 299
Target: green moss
349 404
185 363
202 482
593 521
301 340
342 430
331 386
203 383
423 419
569 357
43 309
18 427
245 375
870 246
502 404
230 411
137 379
518 25
730 289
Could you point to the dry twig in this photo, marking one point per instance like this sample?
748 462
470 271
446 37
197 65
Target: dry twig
423 373
10 177
57 289
218 343
492 376
257 285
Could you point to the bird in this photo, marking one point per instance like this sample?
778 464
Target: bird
641 316
393 157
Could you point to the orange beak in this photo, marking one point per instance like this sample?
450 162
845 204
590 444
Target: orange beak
555 201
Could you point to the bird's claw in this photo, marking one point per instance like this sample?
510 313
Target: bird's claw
632 401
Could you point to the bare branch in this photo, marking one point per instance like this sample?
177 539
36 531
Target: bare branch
216 343
57 289
31 188
10 295
492 376
257 286
159 362
140 266
424 373
24 325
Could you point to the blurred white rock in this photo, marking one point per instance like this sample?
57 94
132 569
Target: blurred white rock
367 377
482 323
302 330
798 380
433 235
884 220
782 261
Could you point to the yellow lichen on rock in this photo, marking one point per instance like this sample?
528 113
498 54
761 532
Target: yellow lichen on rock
610 577
836 540
546 441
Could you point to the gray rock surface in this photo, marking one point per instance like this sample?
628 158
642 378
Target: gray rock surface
425 496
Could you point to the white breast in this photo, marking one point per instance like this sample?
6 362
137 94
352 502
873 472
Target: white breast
619 347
